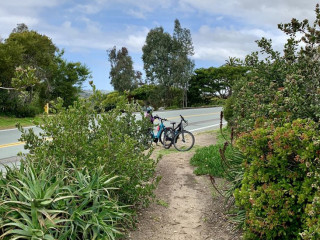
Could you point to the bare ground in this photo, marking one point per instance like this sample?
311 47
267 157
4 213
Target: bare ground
186 206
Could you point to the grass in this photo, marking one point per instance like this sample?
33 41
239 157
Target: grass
207 160
162 203
10 122
163 152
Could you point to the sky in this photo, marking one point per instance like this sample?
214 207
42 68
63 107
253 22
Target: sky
85 29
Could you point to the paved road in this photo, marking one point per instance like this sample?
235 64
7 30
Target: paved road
200 119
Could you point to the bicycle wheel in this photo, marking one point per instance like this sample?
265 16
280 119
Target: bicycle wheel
161 138
183 141
168 136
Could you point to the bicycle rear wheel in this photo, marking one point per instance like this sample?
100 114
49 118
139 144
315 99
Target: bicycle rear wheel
168 136
183 141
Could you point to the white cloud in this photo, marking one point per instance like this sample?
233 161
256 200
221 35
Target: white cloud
218 44
137 14
135 41
30 3
13 12
92 36
269 12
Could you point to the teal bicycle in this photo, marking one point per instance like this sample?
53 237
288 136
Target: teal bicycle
159 135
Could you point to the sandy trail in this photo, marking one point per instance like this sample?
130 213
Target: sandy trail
187 206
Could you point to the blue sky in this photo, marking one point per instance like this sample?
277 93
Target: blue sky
86 29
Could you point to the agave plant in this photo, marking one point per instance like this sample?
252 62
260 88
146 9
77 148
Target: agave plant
49 203
93 212
28 194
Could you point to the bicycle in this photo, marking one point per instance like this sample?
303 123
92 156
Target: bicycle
181 139
152 137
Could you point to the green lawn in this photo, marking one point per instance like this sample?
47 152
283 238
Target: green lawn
10 122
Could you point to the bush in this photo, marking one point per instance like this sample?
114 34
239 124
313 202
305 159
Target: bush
23 111
148 94
82 138
278 187
228 109
217 101
111 100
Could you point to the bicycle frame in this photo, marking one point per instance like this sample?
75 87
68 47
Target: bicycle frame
160 128
178 128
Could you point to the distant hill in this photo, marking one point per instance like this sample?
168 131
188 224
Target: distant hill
88 93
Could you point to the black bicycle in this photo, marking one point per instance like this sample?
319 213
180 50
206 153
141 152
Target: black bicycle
181 139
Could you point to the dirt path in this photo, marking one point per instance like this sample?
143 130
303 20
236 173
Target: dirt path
187 206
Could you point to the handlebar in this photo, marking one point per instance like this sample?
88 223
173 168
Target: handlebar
161 119
183 119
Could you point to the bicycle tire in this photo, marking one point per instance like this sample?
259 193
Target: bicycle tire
161 137
183 141
168 136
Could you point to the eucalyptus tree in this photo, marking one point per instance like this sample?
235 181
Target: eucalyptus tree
122 75
156 57
167 60
183 66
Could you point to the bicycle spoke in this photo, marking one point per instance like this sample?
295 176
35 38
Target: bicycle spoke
184 141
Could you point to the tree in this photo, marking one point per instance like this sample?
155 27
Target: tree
214 82
182 65
10 58
122 75
25 80
156 58
166 59
21 27
65 81
30 49
38 50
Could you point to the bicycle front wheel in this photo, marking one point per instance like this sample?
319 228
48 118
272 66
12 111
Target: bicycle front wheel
168 136
183 141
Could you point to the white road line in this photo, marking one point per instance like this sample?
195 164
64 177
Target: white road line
207 127
12 129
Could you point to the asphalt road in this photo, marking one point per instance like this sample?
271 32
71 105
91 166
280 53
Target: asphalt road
199 119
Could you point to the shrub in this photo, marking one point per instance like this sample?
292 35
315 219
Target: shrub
277 187
217 101
82 138
111 100
284 85
148 94
228 109
23 111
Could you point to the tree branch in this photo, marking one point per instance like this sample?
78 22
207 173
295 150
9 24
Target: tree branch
7 88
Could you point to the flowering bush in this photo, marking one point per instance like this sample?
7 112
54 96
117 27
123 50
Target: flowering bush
280 86
279 188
